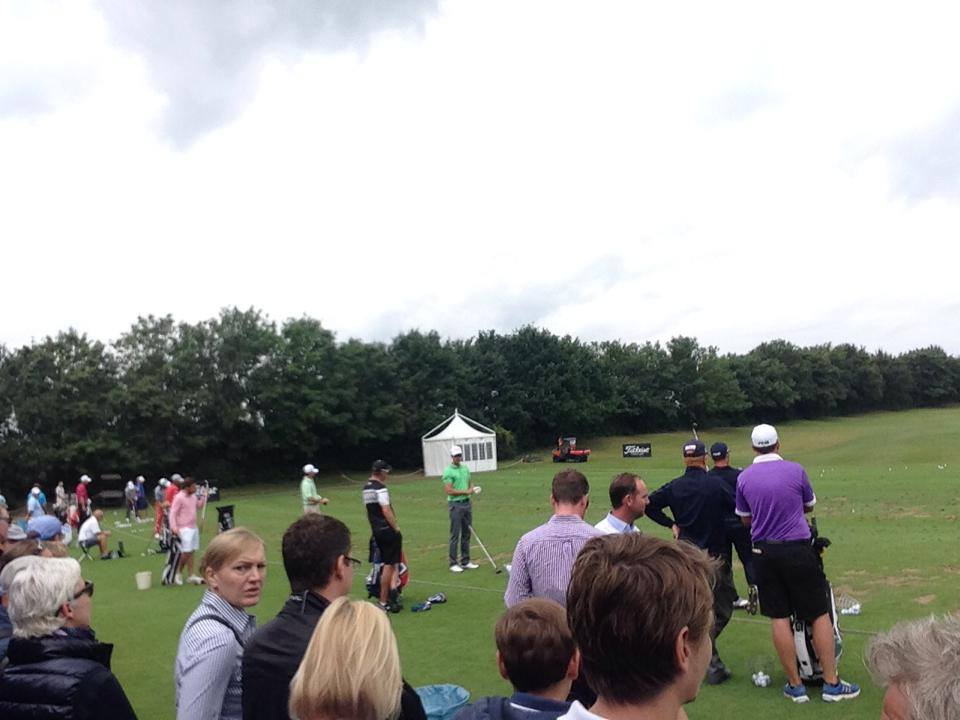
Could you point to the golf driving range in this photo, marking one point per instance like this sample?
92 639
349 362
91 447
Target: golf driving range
888 491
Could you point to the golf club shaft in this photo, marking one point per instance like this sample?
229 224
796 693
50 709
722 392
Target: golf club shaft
480 543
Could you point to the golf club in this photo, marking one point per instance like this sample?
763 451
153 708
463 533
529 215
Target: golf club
695 436
496 569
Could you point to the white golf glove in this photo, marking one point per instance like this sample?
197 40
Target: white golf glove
476 489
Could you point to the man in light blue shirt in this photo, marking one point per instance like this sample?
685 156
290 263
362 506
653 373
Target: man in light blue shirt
628 498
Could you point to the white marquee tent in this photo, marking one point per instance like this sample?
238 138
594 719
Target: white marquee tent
479 445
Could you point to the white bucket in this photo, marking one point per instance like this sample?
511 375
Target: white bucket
144 579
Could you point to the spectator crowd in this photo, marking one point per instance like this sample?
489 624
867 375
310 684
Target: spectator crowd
601 621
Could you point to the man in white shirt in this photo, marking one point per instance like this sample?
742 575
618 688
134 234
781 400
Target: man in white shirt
90 534
628 498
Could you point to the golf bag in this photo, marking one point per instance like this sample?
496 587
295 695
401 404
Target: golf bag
225 517
372 580
171 545
808 663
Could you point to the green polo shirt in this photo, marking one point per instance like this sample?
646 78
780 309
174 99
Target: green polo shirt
308 489
459 477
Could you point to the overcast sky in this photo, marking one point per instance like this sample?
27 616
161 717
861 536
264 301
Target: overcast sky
733 171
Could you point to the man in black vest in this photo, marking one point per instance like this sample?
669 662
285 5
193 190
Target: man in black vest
699 503
738 535
316 557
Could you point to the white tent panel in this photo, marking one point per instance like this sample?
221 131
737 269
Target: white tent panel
478 442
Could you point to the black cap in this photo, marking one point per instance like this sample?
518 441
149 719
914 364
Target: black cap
694 448
718 450
381 466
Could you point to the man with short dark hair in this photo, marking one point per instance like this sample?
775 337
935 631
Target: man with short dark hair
385 529
459 488
738 536
628 500
544 556
699 504
772 496
640 612
537 655
316 557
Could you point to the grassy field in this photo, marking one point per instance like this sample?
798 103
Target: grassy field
884 499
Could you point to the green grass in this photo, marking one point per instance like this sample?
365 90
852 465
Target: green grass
890 511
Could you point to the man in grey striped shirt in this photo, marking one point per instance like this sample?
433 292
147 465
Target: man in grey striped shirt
544 557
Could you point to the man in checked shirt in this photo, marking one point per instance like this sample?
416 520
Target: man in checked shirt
544 557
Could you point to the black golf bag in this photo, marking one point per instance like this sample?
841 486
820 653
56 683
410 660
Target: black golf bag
170 545
225 517
807 661
372 580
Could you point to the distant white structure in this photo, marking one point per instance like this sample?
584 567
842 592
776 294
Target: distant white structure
479 445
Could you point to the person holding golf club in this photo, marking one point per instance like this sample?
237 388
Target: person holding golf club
772 496
386 531
738 536
459 488
183 524
628 500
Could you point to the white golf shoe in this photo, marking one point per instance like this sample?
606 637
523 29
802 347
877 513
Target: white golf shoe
470 566
456 569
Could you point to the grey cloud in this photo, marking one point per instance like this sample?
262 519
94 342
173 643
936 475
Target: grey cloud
205 56
29 92
927 164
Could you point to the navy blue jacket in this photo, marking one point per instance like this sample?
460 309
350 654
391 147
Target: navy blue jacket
6 631
65 676
501 708
700 504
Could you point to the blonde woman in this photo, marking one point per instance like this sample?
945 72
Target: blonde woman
207 668
351 668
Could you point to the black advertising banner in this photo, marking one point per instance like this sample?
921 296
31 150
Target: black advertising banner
637 450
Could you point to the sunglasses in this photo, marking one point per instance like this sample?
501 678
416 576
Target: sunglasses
354 563
87 590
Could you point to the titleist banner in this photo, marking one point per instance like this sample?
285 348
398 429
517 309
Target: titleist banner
637 450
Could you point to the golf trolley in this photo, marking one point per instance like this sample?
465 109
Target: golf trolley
808 664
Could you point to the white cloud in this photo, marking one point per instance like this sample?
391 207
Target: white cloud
611 170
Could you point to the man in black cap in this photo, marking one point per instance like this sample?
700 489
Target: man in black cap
699 504
386 531
738 535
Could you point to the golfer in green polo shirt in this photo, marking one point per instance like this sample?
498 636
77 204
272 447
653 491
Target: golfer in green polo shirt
309 496
459 487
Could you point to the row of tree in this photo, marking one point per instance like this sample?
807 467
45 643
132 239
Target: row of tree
240 398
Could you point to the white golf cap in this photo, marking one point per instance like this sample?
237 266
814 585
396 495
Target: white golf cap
35 491
456 450
164 482
141 478
85 478
176 477
308 468
764 436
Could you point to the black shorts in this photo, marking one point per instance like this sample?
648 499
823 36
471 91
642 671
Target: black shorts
390 543
790 580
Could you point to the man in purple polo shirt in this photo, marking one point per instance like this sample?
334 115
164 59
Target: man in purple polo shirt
544 557
772 496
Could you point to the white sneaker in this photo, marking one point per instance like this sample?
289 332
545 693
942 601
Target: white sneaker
177 580
456 568
156 536
470 566
195 580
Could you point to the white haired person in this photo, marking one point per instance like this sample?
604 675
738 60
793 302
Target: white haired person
918 664
351 668
57 668
207 670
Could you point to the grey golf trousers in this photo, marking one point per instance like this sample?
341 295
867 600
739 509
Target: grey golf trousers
461 518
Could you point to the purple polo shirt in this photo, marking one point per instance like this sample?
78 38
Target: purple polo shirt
774 493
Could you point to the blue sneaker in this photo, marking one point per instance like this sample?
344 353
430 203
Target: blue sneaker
797 693
841 691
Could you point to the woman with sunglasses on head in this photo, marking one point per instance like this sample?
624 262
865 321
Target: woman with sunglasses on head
207 671
57 668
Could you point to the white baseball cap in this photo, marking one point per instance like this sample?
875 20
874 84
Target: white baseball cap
164 482
308 468
456 450
85 478
176 477
764 436
141 478
35 491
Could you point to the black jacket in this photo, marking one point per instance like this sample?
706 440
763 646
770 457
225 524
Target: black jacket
700 504
271 658
729 475
64 677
